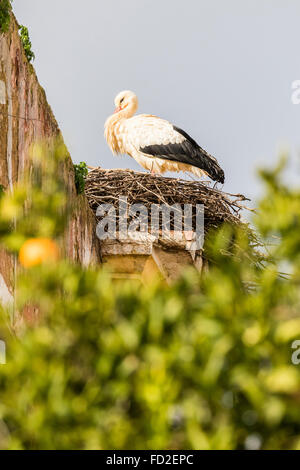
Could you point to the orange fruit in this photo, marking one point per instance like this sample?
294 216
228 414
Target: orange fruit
38 250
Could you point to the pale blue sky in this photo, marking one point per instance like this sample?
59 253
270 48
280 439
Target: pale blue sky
220 69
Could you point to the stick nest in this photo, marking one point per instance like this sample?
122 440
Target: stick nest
105 186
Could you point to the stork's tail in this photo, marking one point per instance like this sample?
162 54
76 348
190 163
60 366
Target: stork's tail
212 167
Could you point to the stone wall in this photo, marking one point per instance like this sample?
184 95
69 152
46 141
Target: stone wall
25 116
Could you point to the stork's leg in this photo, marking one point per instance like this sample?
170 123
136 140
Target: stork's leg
152 171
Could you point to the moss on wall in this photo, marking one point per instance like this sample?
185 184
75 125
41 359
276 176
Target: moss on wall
5 11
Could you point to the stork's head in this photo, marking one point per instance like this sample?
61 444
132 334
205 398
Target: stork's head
126 102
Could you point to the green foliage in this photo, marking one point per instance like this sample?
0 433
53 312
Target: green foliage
281 206
1 190
204 364
24 34
39 209
5 10
81 172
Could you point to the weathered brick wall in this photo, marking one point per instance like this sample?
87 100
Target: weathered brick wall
21 96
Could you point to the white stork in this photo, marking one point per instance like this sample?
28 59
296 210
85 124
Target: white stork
156 144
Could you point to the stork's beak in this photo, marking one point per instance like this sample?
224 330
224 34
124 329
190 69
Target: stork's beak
117 109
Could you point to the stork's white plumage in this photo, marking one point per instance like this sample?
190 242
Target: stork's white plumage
154 143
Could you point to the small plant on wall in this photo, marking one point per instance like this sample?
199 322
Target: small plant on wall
24 34
81 172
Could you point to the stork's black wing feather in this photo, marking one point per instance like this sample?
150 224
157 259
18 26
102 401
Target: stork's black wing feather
189 152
